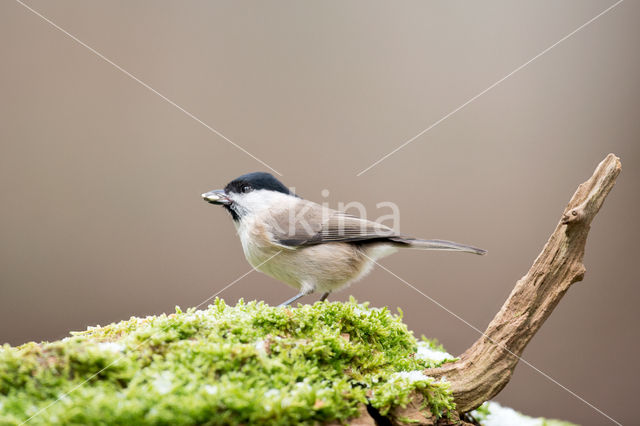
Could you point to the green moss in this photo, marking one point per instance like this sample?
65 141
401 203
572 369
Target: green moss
481 413
553 422
247 364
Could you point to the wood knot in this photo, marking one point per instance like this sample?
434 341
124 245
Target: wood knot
575 214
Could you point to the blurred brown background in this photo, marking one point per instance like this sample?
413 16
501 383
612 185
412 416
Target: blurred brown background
101 216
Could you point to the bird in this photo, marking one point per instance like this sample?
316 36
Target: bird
308 246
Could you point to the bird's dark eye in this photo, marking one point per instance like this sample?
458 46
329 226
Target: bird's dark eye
246 189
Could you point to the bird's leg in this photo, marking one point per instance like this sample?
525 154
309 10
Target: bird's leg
305 289
324 296
293 299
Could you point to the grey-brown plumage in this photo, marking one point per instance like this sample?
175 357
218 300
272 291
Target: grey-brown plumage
306 223
308 246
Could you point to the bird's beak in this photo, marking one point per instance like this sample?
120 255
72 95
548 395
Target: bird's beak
216 197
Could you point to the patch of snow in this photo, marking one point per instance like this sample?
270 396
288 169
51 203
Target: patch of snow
272 393
411 376
111 346
426 353
194 316
260 346
163 383
268 398
211 389
360 311
505 416
302 387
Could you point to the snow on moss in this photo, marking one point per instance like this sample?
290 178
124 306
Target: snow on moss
429 351
410 376
247 364
493 414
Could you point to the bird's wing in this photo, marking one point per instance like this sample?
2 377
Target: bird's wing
308 223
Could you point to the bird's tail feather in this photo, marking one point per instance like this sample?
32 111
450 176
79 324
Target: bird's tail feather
434 245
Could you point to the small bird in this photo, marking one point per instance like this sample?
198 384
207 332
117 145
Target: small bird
310 247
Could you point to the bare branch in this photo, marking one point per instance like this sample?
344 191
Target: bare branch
486 367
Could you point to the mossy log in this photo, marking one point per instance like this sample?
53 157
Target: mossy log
327 363
244 364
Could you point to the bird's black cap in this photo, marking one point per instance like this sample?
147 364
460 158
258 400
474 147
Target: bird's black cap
255 181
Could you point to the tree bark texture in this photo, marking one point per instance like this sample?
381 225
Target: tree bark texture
486 367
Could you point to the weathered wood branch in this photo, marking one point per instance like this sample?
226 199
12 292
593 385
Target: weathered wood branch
486 367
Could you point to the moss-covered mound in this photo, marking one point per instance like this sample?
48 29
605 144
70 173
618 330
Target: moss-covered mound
247 364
